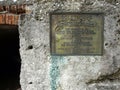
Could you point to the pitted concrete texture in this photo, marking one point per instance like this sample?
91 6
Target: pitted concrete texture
14 2
41 71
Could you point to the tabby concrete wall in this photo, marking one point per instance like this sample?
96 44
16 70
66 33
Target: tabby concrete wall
41 71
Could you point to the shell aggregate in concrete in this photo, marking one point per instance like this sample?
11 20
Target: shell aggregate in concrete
41 71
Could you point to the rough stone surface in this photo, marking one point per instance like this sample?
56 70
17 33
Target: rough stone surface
14 2
41 71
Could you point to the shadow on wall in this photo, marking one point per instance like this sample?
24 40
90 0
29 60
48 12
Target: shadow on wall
9 58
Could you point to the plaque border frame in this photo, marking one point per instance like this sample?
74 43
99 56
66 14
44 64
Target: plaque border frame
65 13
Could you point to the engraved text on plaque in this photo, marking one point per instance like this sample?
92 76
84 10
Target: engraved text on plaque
76 33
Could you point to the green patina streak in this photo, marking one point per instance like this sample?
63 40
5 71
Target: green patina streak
56 62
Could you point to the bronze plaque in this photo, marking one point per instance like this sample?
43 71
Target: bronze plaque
76 33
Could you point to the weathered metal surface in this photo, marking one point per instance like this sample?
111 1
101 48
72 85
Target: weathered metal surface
76 33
